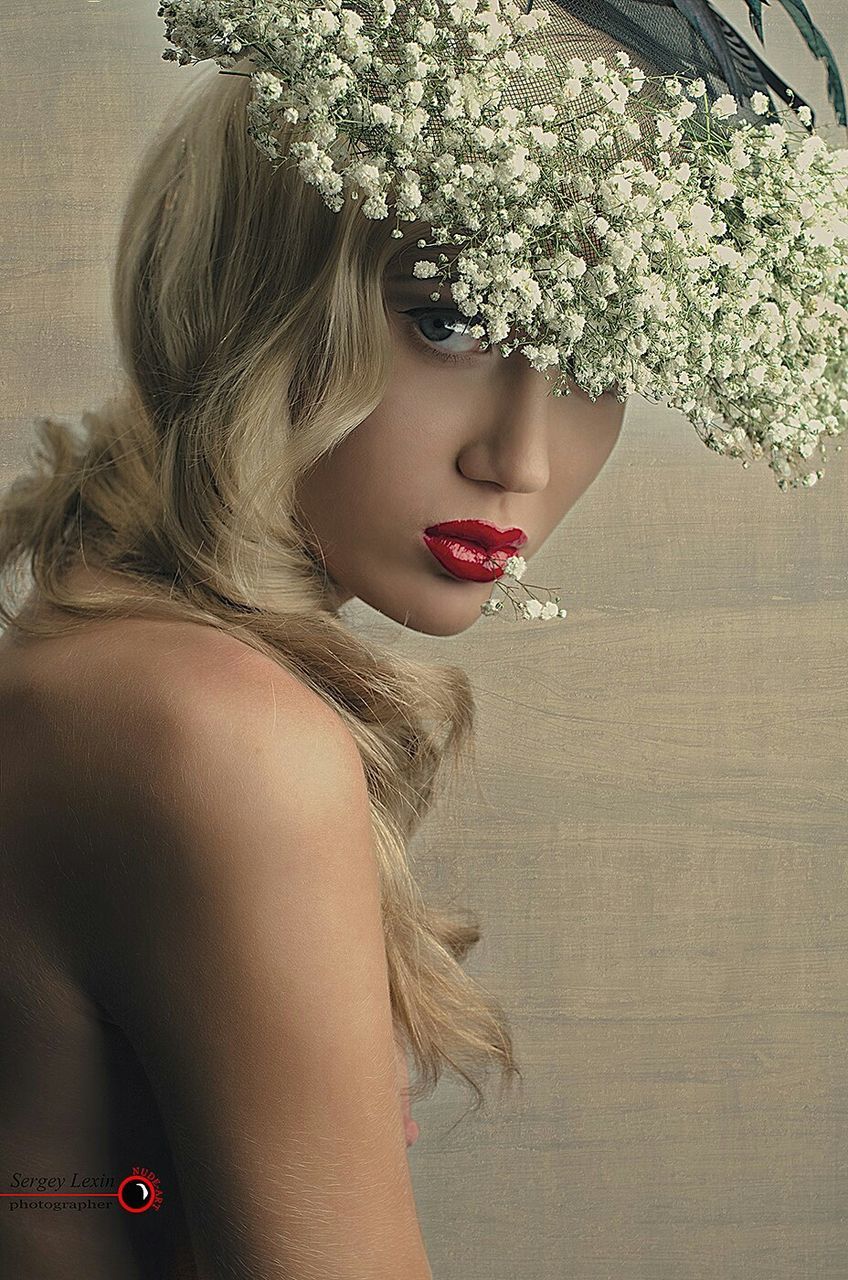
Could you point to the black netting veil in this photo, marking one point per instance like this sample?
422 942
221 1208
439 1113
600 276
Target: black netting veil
697 43
659 39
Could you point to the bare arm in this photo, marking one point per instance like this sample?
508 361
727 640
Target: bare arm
239 944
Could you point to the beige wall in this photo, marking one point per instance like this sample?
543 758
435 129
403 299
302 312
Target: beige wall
658 846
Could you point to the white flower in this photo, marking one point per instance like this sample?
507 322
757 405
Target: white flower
701 216
586 139
270 84
726 105
810 148
515 567
414 92
424 269
531 608
572 88
759 103
325 21
381 114
696 89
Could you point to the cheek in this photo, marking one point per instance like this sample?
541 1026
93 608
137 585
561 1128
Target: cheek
401 447
593 440
377 470
608 432
341 479
582 451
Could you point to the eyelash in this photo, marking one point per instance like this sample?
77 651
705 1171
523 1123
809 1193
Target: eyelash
448 357
451 357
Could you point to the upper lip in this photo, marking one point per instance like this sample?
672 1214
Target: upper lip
480 531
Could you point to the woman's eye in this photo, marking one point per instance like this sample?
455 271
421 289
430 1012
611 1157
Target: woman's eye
433 326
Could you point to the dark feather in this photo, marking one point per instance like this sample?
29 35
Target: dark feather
755 14
756 70
727 47
819 47
706 22
646 26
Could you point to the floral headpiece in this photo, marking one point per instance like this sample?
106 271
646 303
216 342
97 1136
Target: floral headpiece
625 231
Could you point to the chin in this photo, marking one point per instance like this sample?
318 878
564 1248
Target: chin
439 627
447 607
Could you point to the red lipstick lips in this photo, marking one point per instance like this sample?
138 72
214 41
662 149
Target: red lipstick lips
473 549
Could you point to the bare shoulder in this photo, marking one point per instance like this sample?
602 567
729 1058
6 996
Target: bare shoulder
209 767
131 726
137 679
229 710
247 732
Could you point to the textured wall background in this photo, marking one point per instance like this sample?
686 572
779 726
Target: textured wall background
657 847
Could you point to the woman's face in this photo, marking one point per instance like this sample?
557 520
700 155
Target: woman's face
460 434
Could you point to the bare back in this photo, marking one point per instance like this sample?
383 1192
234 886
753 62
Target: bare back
77 1113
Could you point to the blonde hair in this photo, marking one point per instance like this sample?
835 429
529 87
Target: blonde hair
253 338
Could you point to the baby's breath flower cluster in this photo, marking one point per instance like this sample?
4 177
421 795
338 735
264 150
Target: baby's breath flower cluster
531 609
707 270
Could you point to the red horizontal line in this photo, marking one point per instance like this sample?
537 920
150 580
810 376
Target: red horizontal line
58 1193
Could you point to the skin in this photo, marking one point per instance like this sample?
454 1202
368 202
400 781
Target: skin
482 438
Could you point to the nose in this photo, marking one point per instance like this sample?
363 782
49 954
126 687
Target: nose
512 449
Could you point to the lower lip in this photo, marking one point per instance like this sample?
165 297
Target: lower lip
468 559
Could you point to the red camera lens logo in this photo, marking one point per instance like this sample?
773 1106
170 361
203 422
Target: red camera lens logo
139 1192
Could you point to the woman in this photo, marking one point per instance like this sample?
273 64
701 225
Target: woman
458 433
218 952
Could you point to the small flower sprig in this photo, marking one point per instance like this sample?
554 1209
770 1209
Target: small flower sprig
531 609
707 270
